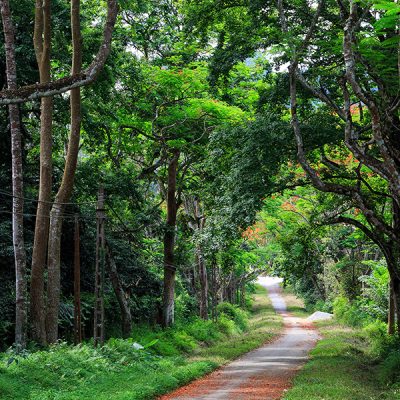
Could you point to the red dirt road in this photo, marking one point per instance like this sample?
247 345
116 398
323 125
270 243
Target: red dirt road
262 374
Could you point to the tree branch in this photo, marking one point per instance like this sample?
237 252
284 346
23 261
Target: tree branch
39 90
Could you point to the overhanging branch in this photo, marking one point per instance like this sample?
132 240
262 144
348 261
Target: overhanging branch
39 90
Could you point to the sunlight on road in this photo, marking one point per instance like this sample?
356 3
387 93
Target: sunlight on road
269 280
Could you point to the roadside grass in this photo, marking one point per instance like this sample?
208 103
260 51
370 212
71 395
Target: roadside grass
65 372
294 304
264 325
341 368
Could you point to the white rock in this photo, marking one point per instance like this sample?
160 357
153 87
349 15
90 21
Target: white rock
137 346
320 316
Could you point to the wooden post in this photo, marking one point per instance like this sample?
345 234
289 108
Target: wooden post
391 313
98 334
77 285
214 288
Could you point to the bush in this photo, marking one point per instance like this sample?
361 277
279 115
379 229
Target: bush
183 341
389 372
187 335
164 345
226 326
348 313
375 293
325 306
204 331
381 342
234 313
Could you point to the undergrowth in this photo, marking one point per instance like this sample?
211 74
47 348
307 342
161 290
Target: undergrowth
152 362
343 367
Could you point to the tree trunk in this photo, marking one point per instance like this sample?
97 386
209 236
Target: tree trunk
391 314
42 42
390 251
119 293
243 294
17 181
203 304
394 268
98 320
169 244
395 284
77 286
66 186
213 288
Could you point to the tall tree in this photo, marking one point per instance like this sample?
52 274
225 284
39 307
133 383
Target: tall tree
42 44
46 247
65 190
169 242
374 145
17 181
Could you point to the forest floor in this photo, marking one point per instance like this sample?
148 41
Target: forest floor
265 373
66 372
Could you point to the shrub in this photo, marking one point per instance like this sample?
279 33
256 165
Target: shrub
226 326
183 341
381 342
234 313
348 313
164 345
375 293
325 306
204 331
389 372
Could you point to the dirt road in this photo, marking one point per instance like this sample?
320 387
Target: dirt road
264 373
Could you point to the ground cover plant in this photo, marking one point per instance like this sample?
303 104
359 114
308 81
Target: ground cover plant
344 366
122 369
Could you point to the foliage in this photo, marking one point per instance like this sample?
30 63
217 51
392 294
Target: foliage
234 313
342 368
207 80
375 295
348 313
122 369
381 343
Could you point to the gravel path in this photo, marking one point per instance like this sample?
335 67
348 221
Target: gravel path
264 373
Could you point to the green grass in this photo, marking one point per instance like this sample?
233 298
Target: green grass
116 372
264 325
295 305
341 368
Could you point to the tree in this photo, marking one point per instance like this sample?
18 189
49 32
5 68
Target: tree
48 227
17 181
62 85
178 116
42 44
363 98
373 144
65 190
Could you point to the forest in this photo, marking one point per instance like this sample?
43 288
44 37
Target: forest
159 159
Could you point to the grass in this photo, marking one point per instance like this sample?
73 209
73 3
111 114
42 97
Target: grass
264 325
341 368
116 372
295 305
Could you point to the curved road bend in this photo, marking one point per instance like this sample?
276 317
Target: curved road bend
264 373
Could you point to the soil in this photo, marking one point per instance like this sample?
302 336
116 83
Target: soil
265 373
